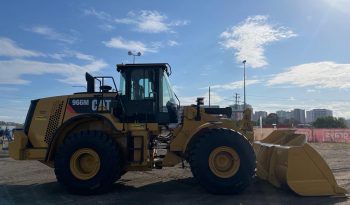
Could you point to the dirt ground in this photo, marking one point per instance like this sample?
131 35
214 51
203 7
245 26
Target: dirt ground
30 182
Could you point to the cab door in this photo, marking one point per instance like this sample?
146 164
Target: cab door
141 95
168 110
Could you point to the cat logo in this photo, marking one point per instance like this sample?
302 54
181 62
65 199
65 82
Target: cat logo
100 105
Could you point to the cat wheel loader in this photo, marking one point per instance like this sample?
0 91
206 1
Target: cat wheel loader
92 138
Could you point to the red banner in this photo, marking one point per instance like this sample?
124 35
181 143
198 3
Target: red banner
325 135
312 134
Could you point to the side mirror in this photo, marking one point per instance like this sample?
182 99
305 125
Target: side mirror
200 101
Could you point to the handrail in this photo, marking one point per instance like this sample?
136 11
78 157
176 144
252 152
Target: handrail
177 99
103 77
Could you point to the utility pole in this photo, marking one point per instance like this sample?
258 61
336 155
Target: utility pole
236 101
209 96
244 106
236 113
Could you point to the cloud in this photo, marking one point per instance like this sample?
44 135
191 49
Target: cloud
340 109
98 14
234 85
172 43
150 21
250 37
106 18
83 56
324 74
15 68
340 5
8 89
310 90
9 48
51 34
179 23
106 27
71 73
72 54
119 42
145 21
58 56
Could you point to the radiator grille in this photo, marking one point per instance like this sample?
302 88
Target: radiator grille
53 120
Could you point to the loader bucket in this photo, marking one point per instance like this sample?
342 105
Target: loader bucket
285 158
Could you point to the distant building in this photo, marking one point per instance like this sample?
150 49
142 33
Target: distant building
259 114
309 117
348 123
237 111
298 115
283 115
313 115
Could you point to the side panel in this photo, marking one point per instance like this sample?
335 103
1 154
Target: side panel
138 154
191 127
46 119
30 114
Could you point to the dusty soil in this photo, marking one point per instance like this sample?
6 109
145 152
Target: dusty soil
30 182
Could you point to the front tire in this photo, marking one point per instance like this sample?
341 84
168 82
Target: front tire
88 162
223 161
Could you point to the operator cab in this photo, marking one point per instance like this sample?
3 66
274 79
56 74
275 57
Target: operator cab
146 93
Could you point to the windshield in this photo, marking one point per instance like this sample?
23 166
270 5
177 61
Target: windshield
168 93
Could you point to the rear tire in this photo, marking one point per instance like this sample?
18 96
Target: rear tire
88 162
223 161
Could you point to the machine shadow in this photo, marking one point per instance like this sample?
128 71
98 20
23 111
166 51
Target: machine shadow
178 191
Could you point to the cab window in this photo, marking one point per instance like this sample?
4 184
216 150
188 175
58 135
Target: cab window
142 84
122 84
167 93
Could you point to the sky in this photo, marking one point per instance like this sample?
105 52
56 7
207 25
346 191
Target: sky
297 52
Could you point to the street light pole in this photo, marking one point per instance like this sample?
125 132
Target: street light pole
244 106
130 53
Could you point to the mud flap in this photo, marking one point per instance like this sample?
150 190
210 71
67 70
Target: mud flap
285 158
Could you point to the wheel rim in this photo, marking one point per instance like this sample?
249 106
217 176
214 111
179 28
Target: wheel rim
85 163
224 162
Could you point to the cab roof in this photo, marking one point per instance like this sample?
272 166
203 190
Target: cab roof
164 66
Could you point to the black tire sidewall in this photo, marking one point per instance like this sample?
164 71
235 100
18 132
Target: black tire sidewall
221 137
109 156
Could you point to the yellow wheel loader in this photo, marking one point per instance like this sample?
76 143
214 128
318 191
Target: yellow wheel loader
92 138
